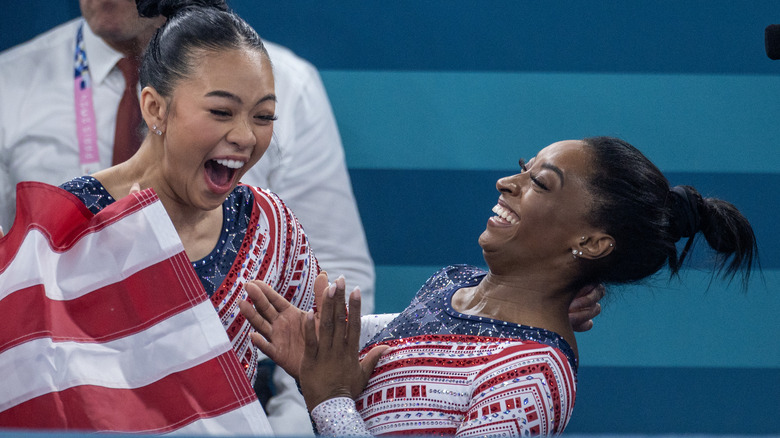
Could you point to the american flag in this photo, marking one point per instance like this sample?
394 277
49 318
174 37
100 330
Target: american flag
106 327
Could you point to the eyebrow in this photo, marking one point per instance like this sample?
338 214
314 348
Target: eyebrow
233 97
555 169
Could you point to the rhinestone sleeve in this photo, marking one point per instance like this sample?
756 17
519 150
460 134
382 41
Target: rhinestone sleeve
338 417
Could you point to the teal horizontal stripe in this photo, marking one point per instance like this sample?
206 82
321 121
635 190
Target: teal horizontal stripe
655 36
691 123
715 36
686 322
696 401
434 217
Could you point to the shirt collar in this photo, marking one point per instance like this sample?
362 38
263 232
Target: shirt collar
101 57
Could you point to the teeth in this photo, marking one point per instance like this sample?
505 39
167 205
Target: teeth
233 164
505 214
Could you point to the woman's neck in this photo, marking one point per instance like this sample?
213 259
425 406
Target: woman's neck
198 229
529 299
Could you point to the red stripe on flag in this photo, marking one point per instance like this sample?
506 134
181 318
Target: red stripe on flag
105 314
34 206
163 406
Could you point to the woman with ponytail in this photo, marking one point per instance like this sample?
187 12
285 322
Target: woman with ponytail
492 352
208 102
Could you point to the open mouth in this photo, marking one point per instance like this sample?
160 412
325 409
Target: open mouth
221 172
506 215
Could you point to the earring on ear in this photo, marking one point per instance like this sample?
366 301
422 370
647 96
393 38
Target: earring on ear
156 130
574 253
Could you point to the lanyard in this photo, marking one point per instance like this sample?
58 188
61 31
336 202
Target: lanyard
86 126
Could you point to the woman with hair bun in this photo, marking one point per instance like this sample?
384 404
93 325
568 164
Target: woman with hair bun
208 101
492 352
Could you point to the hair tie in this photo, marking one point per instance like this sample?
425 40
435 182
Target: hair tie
685 220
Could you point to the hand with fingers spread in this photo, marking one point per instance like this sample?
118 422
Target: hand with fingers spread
585 307
330 366
279 324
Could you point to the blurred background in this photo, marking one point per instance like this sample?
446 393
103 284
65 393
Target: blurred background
436 99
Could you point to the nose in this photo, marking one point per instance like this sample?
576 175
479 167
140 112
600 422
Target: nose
241 134
509 185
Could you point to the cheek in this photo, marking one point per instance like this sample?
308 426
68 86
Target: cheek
264 136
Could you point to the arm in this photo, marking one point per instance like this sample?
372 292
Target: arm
329 369
308 171
527 389
296 266
280 325
331 374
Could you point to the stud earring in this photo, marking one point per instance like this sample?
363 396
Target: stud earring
574 253
156 130
582 238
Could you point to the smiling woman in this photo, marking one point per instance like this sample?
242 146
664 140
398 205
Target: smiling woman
208 101
493 352
218 123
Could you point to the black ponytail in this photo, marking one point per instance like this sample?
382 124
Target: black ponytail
646 217
729 233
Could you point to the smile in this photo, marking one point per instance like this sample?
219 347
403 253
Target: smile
232 164
222 171
506 215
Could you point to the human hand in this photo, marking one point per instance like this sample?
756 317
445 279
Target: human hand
585 307
279 324
330 366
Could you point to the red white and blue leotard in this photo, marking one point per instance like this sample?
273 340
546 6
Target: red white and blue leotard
450 373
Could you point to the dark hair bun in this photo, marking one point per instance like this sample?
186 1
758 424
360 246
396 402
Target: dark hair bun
169 8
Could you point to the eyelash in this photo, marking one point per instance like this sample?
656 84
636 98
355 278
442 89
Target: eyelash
524 168
219 113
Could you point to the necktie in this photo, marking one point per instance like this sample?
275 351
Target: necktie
127 136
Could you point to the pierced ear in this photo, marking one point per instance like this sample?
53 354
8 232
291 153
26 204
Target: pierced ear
153 108
595 246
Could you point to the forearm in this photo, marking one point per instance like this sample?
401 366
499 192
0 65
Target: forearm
339 417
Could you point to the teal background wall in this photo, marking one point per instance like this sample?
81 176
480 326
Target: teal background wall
437 99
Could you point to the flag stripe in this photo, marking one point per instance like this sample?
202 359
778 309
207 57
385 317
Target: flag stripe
92 317
40 366
88 264
162 406
247 418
